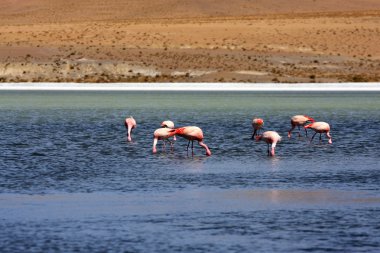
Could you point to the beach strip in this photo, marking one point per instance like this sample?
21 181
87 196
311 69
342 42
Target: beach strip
192 86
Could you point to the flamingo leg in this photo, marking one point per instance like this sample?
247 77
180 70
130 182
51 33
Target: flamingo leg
254 133
312 137
188 144
320 137
290 131
268 149
192 148
299 131
305 132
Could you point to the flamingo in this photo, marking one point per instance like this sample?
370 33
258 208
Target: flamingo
270 137
257 124
193 133
299 120
130 123
320 127
162 134
168 124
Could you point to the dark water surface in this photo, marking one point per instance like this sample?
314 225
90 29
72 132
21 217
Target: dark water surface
70 182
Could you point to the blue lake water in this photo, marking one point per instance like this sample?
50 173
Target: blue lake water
70 181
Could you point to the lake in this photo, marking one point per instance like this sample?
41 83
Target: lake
70 181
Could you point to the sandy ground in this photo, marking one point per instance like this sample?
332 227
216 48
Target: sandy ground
296 41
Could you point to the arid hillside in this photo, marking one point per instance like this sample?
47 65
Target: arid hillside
189 40
26 11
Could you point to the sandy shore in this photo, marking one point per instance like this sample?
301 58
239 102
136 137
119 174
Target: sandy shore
66 205
202 41
192 86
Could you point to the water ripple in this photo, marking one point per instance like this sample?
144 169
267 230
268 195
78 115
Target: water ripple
78 145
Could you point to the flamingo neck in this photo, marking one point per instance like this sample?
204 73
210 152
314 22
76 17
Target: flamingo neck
129 132
208 152
154 145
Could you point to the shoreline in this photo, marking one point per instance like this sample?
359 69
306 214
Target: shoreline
190 87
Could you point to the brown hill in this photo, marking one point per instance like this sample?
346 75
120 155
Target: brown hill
31 11
189 40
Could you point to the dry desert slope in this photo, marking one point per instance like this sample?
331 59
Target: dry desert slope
25 11
190 40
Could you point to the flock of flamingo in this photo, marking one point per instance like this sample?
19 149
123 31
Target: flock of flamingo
194 133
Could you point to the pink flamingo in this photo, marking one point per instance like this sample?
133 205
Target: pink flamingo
192 133
299 120
162 134
257 124
168 124
130 123
270 137
320 127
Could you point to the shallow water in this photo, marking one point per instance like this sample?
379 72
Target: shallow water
70 181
